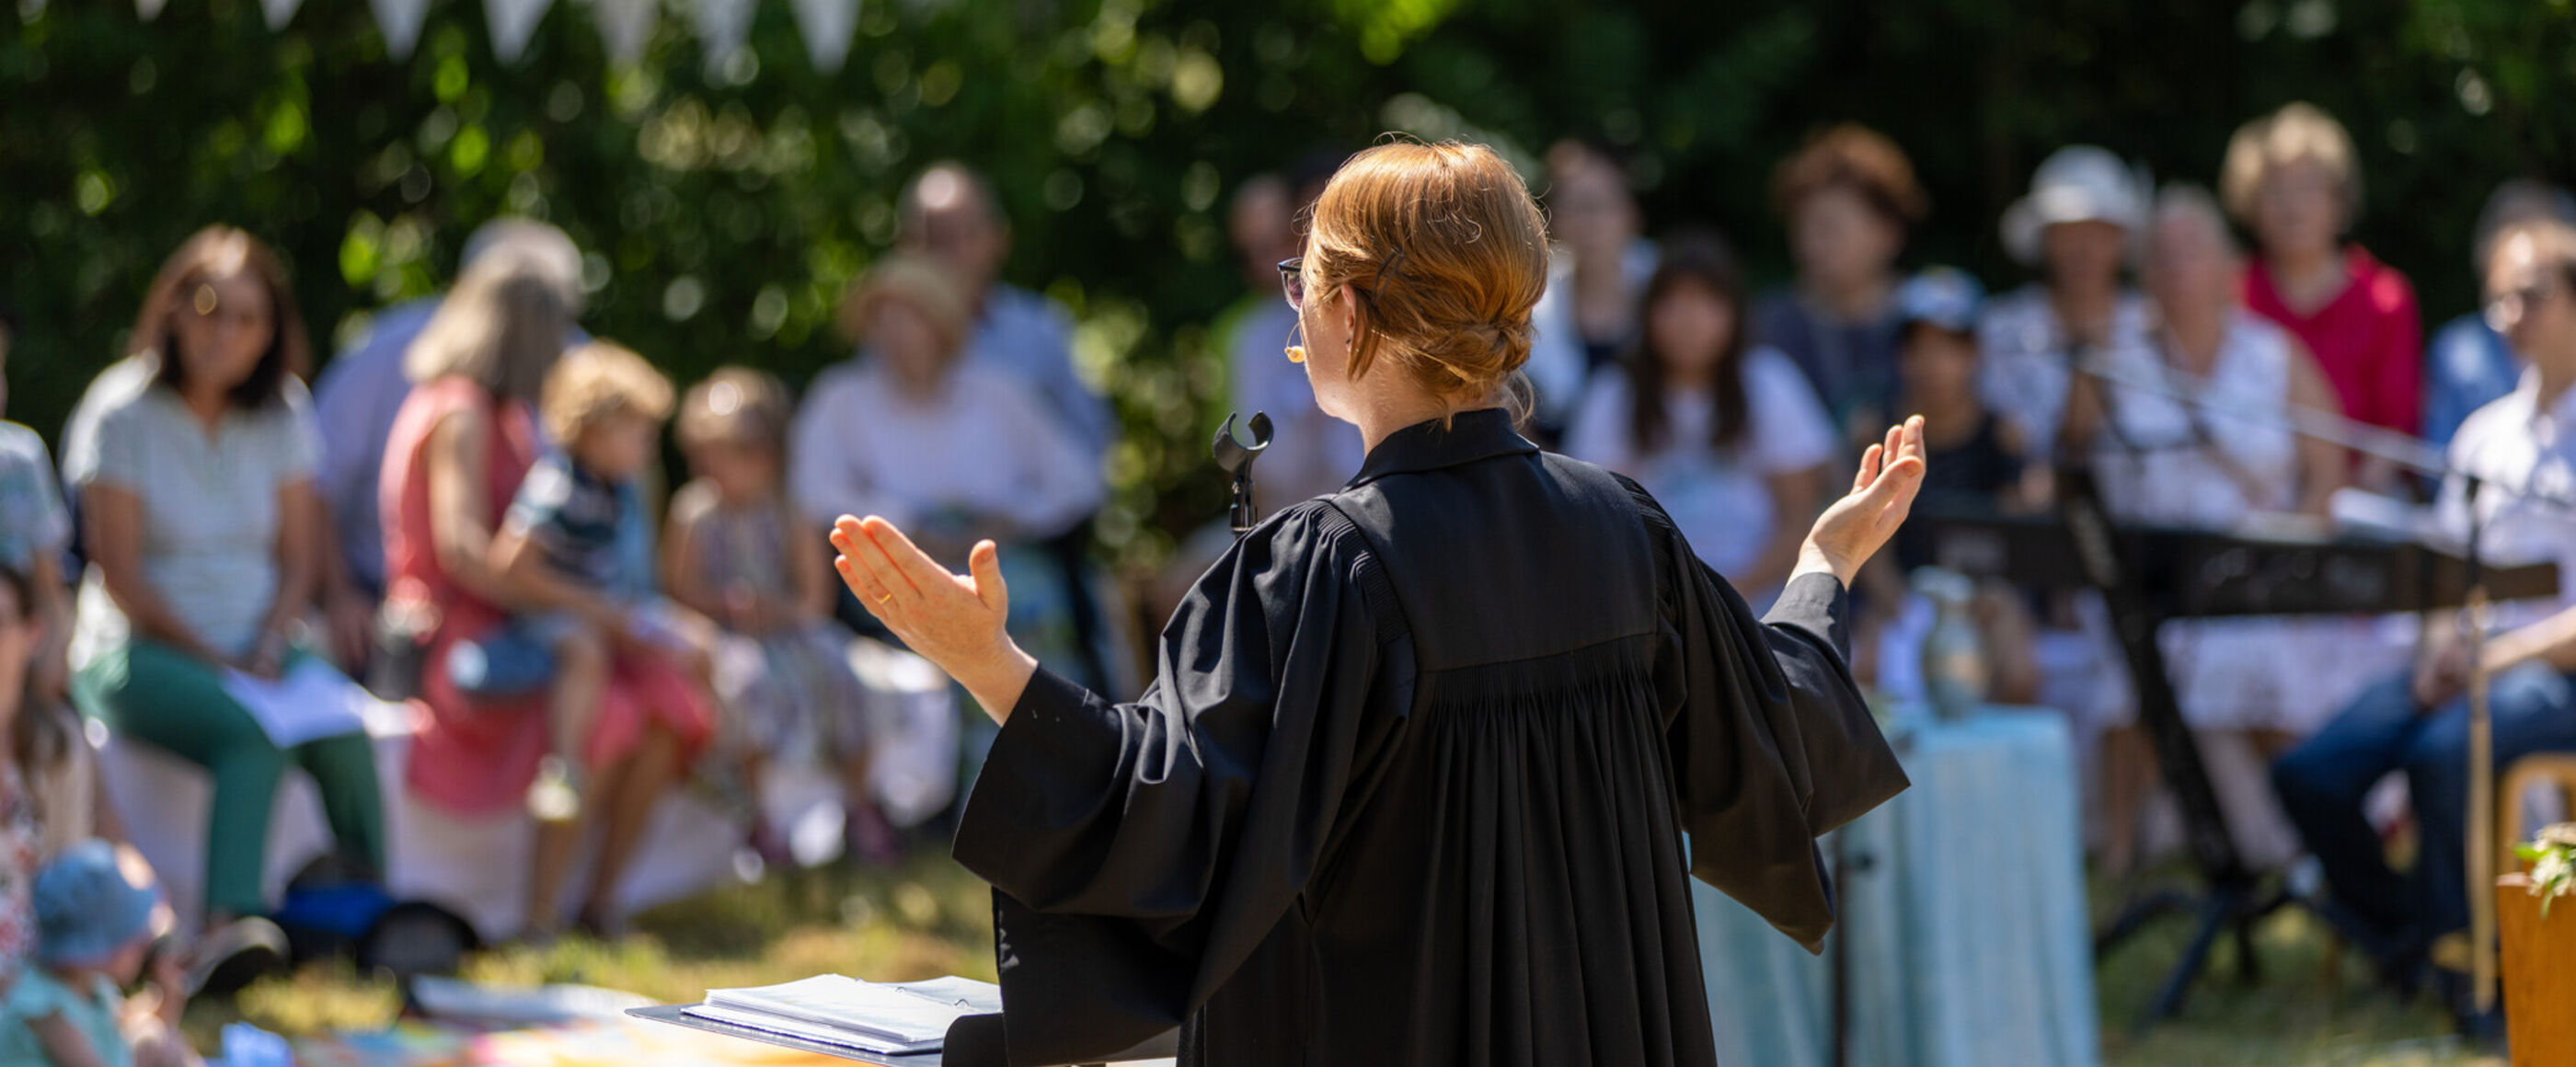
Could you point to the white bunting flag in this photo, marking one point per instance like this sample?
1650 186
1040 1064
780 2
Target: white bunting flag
279 12
513 22
827 25
723 26
626 27
149 9
399 21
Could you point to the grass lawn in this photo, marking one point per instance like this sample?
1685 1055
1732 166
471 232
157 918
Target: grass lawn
930 918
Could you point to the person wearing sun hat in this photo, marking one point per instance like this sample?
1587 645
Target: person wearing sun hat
97 913
2076 228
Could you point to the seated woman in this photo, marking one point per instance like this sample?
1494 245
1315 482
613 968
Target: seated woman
467 437
2212 449
194 468
1729 436
2293 179
1847 199
1588 314
954 449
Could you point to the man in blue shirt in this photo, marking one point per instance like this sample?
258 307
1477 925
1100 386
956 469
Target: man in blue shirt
2468 365
950 214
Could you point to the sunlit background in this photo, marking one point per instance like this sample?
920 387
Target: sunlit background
727 192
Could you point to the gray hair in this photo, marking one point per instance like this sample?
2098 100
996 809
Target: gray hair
2185 202
502 326
550 253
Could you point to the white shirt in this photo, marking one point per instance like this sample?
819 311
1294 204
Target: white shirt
983 444
1720 498
210 503
2025 373
2526 458
1557 366
2165 462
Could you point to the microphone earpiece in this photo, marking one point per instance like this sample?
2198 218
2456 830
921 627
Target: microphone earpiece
1296 353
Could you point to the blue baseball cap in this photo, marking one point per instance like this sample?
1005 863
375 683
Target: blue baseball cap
1946 297
89 905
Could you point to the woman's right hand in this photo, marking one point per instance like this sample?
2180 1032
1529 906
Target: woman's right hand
1882 492
952 620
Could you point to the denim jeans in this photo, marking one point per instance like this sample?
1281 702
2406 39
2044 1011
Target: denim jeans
2323 780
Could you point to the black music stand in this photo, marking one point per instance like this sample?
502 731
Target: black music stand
2230 898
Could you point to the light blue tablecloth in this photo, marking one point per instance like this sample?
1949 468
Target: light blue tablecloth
1963 919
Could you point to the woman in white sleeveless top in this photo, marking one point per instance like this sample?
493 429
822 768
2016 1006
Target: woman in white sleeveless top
2194 431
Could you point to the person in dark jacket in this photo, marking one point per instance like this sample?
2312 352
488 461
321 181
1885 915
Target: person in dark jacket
1413 782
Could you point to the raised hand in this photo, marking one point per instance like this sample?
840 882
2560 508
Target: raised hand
953 620
1882 492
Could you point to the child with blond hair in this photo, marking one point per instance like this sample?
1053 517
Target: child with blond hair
737 551
559 544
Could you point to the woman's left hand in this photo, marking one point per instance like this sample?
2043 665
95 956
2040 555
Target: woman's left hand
353 627
1853 529
952 620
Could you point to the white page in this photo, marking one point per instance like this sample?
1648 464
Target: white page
840 1001
835 1036
982 998
309 702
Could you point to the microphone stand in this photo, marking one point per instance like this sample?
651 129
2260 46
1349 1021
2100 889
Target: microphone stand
2480 853
1235 459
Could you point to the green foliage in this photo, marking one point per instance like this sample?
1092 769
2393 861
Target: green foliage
726 204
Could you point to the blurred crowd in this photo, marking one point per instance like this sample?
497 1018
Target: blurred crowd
467 510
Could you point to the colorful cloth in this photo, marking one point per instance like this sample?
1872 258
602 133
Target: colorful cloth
19 860
2367 339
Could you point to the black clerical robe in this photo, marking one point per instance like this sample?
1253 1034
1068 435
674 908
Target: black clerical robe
1412 783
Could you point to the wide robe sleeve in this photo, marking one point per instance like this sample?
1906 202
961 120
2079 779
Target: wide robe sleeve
1140 852
1770 741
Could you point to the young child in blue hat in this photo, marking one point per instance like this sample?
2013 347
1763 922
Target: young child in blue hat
97 912
1978 465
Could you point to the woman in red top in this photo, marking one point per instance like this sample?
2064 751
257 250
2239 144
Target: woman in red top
464 441
2290 178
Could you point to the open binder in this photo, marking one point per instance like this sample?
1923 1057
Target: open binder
973 1041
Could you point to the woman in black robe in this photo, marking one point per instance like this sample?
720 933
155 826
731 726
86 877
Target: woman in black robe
1413 780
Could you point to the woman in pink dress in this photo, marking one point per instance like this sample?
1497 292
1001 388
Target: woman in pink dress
465 439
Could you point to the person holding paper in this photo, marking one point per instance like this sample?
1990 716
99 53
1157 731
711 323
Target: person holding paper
195 475
1413 783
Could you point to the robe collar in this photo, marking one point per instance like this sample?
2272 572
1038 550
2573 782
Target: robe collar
1472 435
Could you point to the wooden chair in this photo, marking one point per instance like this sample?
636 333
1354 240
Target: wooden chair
2555 769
